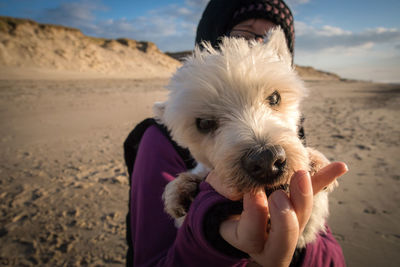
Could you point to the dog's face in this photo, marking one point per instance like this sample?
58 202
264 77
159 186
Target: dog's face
237 110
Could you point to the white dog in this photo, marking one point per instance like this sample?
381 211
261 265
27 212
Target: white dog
237 110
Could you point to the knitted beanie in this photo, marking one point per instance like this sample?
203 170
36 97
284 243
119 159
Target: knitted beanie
275 11
221 15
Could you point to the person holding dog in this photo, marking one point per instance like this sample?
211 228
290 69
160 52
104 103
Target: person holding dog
219 231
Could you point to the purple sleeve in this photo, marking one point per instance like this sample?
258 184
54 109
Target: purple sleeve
156 241
324 252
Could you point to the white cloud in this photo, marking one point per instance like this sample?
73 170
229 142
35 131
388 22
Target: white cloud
309 38
190 12
74 14
296 2
372 54
332 31
199 4
382 30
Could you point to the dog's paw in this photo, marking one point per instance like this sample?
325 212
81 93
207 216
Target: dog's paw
317 162
179 194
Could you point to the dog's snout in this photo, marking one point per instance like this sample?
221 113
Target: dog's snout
265 165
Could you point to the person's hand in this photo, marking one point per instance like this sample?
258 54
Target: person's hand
248 231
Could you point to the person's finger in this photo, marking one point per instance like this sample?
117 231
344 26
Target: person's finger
284 233
248 233
327 175
301 196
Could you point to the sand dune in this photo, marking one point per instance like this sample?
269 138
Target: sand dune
32 50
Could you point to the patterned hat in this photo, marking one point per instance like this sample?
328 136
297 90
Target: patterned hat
275 11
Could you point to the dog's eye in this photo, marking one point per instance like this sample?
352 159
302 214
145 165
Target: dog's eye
206 125
274 99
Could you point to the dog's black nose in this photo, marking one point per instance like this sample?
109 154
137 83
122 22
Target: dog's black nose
265 165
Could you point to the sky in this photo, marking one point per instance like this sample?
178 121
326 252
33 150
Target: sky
357 39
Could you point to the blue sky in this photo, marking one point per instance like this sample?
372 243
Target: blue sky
357 39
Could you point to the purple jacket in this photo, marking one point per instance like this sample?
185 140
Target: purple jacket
156 241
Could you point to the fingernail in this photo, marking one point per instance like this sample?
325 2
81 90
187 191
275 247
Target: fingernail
280 200
346 167
303 185
261 194
254 195
258 196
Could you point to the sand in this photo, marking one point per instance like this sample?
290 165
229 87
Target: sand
64 187
359 123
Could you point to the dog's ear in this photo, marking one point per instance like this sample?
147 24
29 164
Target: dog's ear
158 110
276 41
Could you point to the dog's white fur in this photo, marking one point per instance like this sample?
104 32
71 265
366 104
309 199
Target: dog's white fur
231 85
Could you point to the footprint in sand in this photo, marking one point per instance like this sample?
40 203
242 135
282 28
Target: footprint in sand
392 237
370 210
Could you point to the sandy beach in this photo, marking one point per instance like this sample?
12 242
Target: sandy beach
358 123
64 187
